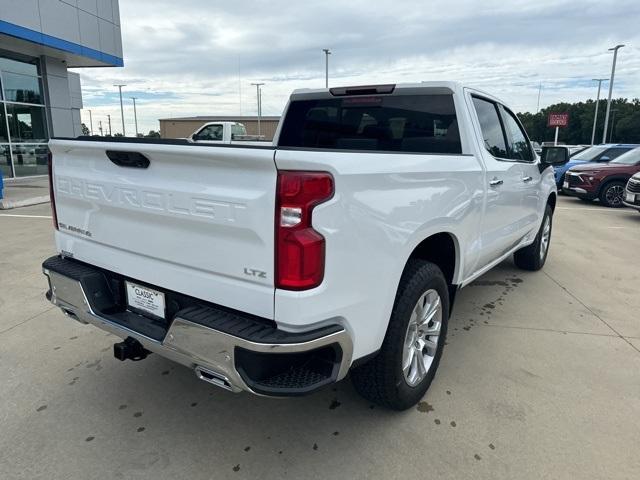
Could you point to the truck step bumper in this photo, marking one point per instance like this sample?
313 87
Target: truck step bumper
224 347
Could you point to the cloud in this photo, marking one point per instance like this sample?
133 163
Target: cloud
200 57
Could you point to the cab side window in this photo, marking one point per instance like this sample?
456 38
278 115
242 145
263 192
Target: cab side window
518 144
210 132
491 127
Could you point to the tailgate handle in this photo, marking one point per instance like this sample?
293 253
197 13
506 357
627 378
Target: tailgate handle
128 159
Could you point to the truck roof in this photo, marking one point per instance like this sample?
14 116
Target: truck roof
438 86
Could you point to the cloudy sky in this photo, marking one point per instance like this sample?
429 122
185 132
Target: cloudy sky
199 57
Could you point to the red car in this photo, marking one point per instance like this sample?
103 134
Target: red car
604 181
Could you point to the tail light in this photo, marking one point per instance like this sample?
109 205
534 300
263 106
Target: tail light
300 250
52 195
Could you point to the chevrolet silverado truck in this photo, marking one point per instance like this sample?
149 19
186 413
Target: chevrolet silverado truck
280 269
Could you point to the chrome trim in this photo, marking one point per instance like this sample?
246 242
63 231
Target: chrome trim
193 345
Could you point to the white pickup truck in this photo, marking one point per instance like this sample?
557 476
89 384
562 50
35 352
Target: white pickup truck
279 269
222 132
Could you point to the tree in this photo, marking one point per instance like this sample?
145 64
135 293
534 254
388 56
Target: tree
85 130
153 134
626 128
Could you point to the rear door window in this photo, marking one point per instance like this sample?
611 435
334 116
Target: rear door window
397 123
519 148
491 127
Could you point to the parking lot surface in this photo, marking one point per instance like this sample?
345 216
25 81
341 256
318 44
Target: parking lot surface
540 379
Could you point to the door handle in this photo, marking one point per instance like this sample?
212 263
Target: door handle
527 179
495 182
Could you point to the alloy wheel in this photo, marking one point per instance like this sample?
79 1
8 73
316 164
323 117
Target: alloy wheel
545 238
421 339
614 195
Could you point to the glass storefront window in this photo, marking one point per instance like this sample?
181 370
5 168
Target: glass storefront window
23 123
16 66
5 165
21 88
3 126
27 123
30 159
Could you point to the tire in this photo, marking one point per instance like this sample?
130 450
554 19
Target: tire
382 380
611 194
532 257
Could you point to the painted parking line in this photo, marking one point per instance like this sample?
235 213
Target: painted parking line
24 216
604 210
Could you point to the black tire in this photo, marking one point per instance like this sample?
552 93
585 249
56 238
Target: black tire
381 380
531 257
612 199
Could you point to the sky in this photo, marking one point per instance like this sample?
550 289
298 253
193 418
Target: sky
200 57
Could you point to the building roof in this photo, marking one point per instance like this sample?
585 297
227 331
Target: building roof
223 118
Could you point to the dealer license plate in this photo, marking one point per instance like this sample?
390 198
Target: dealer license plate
630 197
145 299
565 185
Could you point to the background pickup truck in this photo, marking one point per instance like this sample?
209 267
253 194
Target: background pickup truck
222 132
277 269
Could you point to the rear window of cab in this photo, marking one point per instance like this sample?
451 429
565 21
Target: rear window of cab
393 123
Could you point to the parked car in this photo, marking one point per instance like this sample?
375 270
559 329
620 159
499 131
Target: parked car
604 181
277 269
598 153
632 192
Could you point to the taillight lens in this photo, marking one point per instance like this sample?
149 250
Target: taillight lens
52 195
300 250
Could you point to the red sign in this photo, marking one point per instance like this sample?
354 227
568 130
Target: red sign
558 120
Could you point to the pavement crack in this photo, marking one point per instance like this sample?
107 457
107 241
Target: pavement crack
552 330
592 312
27 320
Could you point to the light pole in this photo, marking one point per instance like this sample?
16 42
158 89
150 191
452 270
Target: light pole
109 117
613 72
259 98
327 52
539 92
90 123
100 127
613 121
135 114
120 85
595 116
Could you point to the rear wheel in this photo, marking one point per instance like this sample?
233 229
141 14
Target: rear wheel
533 256
401 373
612 194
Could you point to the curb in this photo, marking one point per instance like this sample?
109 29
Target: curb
8 204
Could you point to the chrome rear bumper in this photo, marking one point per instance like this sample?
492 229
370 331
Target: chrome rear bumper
211 353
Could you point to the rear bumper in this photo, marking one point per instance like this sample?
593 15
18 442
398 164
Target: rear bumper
233 350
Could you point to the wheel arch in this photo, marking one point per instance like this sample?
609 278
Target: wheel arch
443 250
552 201
612 178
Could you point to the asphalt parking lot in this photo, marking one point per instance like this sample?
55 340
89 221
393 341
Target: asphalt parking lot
540 379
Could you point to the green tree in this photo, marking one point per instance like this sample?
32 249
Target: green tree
153 134
626 128
85 130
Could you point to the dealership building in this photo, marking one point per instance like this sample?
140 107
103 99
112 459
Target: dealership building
184 126
39 97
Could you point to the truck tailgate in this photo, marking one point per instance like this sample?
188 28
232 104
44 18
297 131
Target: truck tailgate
198 220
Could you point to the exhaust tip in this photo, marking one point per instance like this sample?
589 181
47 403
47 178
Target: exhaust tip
212 377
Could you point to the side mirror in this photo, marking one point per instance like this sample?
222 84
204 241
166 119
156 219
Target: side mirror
554 155
604 158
